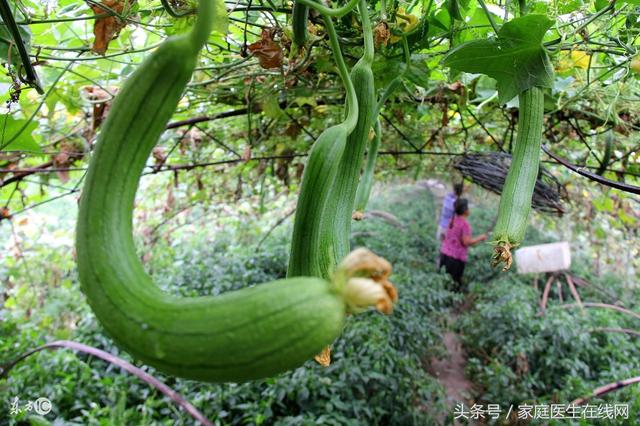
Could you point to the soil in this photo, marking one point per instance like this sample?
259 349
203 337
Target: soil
450 370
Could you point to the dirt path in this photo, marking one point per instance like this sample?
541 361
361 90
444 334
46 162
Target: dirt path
450 370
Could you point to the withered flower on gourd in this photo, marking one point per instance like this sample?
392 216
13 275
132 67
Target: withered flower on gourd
362 278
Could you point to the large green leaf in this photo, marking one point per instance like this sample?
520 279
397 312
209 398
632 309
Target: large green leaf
568 6
16 134
457 8
516 58
439 22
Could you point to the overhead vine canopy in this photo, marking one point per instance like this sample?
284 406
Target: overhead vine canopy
258 101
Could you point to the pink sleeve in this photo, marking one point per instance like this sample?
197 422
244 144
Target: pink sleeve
466 229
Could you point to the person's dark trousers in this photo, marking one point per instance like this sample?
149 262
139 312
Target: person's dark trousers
454 267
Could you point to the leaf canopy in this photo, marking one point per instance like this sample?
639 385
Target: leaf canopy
516 58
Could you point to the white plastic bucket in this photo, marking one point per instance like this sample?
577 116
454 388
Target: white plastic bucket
543 258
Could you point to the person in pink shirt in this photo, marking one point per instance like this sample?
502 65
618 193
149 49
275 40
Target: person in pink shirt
457 240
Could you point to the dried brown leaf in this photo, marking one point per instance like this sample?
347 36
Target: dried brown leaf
268 52
381 34
5 213
108 28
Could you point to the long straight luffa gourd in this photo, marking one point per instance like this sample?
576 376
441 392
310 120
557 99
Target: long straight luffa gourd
311 250
339 226
241 335
515 201
299 17
329 239
366 180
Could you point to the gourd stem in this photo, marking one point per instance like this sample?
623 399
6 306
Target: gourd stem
352 101
489 16
364 188
204 23
367 32
523 7
327 11
406 51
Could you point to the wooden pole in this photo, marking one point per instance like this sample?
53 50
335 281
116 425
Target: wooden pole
545 294
607 388
574 291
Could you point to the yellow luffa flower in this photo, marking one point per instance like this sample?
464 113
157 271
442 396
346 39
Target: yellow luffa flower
405 22
574 59
364 282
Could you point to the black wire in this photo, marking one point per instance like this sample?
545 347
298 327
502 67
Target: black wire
9 21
